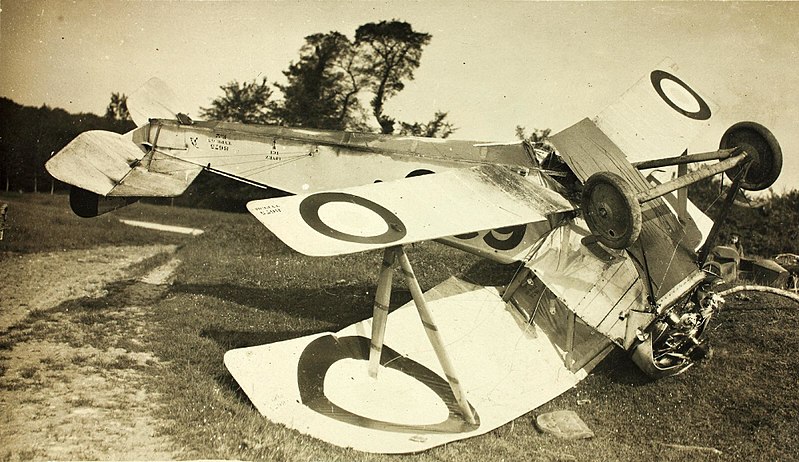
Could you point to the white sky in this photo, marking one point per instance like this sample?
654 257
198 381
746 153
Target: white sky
492 65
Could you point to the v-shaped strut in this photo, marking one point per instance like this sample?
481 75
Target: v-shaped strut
382 300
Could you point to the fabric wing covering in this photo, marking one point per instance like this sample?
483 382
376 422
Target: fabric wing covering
409 210
319 384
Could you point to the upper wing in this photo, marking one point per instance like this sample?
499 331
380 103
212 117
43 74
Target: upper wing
408 210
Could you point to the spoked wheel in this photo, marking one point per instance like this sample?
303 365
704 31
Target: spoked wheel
611 210
766 154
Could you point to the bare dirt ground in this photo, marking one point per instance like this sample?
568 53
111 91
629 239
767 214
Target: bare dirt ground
67 391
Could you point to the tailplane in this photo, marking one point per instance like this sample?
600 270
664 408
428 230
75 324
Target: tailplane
108 170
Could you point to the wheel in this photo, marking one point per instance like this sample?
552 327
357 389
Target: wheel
611 210
759 143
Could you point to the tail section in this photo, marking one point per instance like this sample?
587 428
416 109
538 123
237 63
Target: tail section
99 163
154 100
87 204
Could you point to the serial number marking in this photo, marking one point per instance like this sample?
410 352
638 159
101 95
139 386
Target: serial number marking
268 209
219 142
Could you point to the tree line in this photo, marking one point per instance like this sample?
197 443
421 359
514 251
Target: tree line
30 135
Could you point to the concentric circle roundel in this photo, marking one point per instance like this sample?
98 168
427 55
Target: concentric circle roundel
320 355
657 77
309 210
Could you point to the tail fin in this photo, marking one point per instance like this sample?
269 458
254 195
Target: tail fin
154 100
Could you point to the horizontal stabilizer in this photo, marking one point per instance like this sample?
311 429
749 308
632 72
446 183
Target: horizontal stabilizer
407 210
110 164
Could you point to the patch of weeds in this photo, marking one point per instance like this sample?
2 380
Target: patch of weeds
81 401
30 454
19 336
130 344
37 315
92 317
27 454
5 343
28 372
8 384
81 359
124 362
32 398
53 364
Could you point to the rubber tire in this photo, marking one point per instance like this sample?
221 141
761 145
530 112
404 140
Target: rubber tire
759 142
611 209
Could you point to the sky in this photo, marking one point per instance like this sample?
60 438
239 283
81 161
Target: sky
491 65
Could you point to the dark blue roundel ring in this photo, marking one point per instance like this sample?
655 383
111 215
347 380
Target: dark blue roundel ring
657 77
309 211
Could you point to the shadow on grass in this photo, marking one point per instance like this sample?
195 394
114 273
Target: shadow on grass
618 368
231 339
490 273
337 305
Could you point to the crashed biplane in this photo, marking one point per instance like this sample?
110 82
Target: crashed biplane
610 253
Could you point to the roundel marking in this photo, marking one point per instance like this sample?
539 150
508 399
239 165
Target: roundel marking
515 235
320 355
657 77
419 172
309 211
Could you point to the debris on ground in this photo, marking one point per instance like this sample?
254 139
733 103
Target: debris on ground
564 424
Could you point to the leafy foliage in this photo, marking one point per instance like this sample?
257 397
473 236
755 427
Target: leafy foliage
536 135
323 85
747 217
118 107
438 127
390 51
246 102
29 136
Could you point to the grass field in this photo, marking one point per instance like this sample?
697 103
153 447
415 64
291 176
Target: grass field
239 286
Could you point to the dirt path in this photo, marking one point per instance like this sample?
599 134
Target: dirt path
72 367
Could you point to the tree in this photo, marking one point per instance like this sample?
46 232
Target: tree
323 85
536 136
24 152
118 107
246 102
438 127
388 53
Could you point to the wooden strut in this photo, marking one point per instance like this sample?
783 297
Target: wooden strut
380 313
382 299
